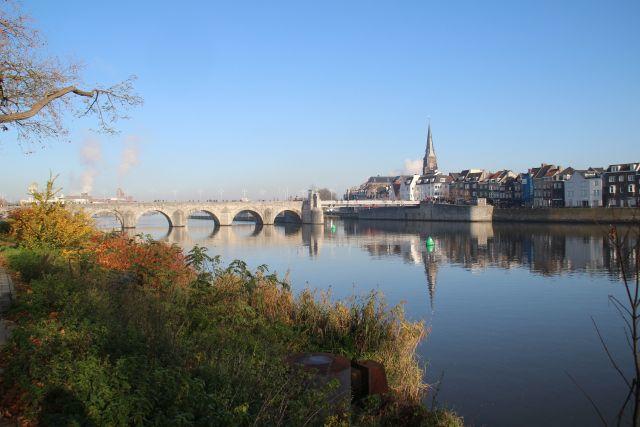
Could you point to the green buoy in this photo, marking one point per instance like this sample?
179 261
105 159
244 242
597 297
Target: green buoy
333 228
430 244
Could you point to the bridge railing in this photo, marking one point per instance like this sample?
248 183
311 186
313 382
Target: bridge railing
372 202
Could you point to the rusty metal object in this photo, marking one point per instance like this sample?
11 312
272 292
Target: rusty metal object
357 379
326 367
368 378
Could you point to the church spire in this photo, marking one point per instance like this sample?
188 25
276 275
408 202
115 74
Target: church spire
430 162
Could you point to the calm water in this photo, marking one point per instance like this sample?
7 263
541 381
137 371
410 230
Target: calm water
509 306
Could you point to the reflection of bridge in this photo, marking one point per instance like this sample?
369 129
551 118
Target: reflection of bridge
177 213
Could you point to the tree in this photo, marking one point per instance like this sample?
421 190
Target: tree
326 194
36 90
47 224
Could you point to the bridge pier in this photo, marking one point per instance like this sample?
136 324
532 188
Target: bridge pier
312 212
178 219
129 220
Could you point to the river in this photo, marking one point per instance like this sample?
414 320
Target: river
509 307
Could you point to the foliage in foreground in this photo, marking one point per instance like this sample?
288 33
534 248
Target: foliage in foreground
98 346
47 224
113 330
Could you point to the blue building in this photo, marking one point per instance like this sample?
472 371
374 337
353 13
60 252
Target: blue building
527 188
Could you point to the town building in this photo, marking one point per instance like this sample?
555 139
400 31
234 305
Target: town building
408 189
493 187
376 187
620 185
557 191
463 189
514 192
543 184
584 188
526 182
433 187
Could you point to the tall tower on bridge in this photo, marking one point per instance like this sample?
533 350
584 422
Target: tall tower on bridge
429 163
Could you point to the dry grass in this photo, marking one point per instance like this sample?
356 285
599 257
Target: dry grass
360 328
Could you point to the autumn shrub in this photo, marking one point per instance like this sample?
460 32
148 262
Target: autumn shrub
152 263
46 223
96 343
100 350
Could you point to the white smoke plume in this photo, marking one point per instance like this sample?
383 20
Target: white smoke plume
128 161
412 167
90 156
87 178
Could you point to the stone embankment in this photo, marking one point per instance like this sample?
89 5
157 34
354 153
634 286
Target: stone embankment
6 298
430 212
443 212
568 215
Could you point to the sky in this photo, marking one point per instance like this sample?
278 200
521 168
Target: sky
270 98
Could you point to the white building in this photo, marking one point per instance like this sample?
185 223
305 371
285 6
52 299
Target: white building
408 188
434 186
584 188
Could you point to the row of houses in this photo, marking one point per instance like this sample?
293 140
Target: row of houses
545 186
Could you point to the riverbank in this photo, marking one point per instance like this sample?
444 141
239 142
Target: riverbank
464 213
113 331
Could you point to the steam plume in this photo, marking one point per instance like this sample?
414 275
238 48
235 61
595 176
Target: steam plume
90 156
129 160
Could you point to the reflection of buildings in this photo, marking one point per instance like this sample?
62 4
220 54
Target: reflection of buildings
542 249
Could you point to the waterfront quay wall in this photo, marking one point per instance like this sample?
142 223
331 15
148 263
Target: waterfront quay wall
429 212
443 212
568 215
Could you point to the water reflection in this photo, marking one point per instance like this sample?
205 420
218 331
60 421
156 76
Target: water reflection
545 250
509 306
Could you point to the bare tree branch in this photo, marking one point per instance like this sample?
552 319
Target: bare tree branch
37 91
593 404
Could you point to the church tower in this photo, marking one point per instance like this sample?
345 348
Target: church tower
429 163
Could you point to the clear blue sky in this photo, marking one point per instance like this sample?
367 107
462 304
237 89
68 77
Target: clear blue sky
266 96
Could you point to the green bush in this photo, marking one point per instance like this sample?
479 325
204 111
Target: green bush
33 263
96 348
5 227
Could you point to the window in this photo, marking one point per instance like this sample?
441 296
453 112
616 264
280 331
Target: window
612 189
612 178
621 178
631 188
629 177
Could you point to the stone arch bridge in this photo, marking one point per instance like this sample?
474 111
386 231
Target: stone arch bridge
222 213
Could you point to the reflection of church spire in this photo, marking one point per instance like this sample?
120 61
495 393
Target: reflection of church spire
431 271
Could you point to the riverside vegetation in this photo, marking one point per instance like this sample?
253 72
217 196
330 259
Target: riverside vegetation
111 330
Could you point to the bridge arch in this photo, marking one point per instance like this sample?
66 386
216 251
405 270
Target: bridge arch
166 215
260 220
214 215
281 214
99 213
